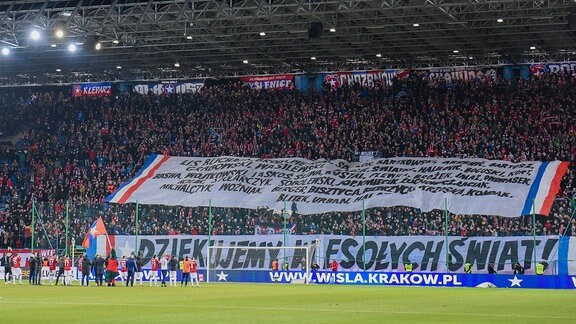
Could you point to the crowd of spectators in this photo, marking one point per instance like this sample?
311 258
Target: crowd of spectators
70 153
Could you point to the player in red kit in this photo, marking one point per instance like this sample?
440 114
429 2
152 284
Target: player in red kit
194 272
16 270
334 268
67 271
52 268
155 264
334 265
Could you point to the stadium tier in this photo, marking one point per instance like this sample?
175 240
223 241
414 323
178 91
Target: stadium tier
67 153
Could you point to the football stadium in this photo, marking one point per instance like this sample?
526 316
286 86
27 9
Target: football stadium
288 161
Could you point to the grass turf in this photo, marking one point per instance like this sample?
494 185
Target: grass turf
282 303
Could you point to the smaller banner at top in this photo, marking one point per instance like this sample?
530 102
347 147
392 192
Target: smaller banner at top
364 78
563 67
269 81
465 73
102 89
169 87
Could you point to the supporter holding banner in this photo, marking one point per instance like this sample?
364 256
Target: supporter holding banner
102 89
269 81
463 186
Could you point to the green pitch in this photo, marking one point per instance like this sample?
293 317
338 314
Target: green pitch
265 303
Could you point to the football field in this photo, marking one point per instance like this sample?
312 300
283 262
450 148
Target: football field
282 303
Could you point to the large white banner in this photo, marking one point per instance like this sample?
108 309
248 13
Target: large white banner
427 253
464 186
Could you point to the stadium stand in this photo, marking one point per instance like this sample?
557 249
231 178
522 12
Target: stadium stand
80 150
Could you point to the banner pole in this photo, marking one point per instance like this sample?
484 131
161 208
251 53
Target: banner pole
108 240
363 235
209 235
67 220
284 244
33 226
534 230
446 232
136 239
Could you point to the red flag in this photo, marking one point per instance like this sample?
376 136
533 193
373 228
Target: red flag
96 230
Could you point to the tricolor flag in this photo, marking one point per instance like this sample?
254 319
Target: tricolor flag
545 188
97 240
96 230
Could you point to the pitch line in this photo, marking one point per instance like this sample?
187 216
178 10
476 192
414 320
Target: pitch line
295 309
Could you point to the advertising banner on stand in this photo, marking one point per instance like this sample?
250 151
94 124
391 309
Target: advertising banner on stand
169 87
102 89
363 78
269 81
560 67
462 73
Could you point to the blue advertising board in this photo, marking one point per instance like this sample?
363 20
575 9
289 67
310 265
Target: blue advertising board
419 279
399 279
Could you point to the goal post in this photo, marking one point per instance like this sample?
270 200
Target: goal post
265 264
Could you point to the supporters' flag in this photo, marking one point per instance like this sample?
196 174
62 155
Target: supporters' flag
545 187
96 230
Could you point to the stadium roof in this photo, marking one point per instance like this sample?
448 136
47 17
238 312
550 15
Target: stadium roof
218 37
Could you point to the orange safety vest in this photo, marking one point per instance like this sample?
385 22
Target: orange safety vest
187 266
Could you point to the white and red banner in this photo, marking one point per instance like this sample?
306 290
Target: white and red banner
463 186
269 81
